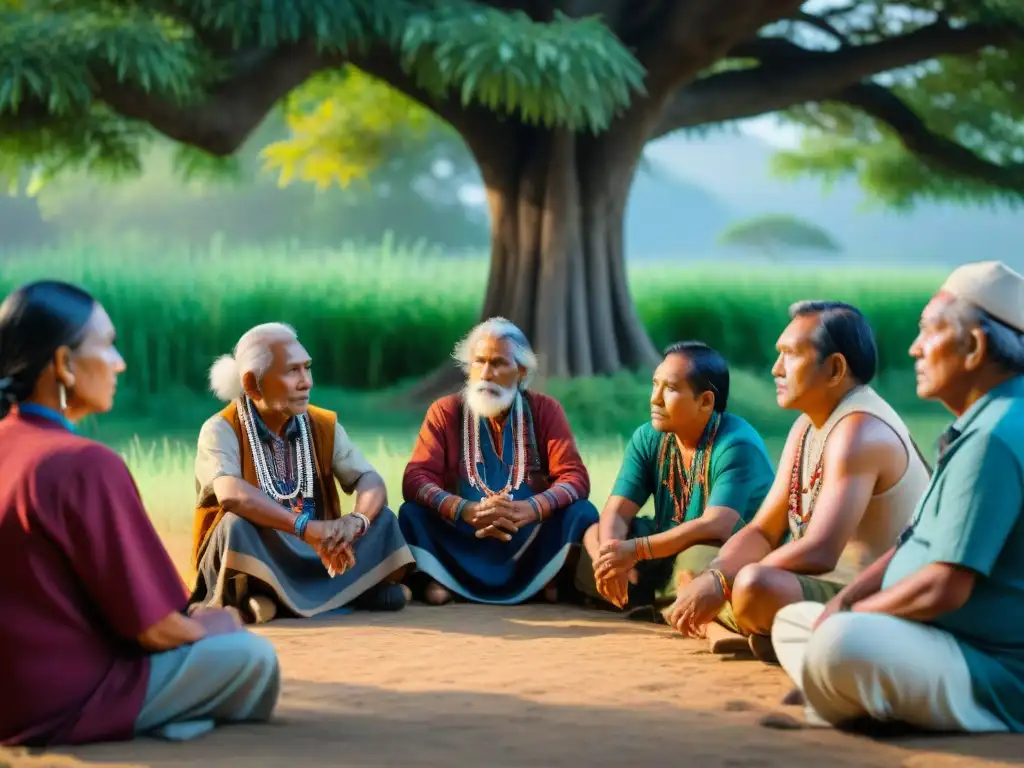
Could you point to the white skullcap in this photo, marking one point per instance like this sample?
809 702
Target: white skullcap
992 287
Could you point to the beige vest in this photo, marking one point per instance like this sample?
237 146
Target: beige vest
888 512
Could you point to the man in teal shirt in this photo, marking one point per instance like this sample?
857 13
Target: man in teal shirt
932 634
708 471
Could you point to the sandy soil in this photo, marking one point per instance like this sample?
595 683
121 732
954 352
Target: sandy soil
533 685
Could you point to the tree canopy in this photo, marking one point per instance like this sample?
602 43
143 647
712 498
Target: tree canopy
778 231
917 98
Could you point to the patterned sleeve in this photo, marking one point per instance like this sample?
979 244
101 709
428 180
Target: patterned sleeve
423 481
570 479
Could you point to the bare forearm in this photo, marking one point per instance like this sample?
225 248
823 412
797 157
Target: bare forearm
256 507
916 598
868 582
748 546
615 519
806 556
704 530
371 496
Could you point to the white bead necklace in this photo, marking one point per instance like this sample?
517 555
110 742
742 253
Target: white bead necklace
473 456
264 475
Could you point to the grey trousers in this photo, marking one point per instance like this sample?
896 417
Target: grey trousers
220 679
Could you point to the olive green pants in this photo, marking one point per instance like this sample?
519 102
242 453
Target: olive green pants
814 590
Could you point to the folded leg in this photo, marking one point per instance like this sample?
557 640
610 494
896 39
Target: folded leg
858 666
220 679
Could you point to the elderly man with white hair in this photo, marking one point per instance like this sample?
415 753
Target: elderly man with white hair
932 634
496 492
269 532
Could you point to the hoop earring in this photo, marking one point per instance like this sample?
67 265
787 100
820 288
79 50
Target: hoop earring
62 397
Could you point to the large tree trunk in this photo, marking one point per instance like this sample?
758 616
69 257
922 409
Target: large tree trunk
558 203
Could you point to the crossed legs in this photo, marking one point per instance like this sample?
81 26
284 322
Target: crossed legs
865 666
219 679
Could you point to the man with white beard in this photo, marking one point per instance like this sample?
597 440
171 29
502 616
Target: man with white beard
496 492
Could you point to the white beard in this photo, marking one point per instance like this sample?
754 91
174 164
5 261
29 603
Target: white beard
488 400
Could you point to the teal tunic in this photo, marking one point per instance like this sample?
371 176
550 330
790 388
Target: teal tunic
971 516
740 475
739 478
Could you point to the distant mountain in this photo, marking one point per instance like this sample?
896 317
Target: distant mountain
735 170
686 192
669 215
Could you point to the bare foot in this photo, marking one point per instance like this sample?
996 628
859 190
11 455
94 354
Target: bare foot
794 698
435 594
262 608
551 593
781 721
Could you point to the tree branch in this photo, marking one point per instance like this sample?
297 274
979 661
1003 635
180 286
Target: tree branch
689 35
822 25
790 75
937 151
479 127
229 113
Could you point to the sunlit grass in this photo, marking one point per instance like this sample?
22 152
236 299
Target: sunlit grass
375 316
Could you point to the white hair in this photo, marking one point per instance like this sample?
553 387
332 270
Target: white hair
252 354
1005 344
499 328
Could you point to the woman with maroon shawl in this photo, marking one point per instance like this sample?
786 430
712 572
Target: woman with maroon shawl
95 640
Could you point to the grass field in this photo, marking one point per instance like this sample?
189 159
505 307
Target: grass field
373 319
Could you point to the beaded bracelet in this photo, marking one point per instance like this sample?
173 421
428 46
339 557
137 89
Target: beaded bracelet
366 523
642 545
299 528
722 583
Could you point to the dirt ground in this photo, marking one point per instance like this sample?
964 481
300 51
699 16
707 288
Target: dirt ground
534 685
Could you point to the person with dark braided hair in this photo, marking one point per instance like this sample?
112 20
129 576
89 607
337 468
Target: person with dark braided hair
706 468
96 642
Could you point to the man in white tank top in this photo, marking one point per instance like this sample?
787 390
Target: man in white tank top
847 483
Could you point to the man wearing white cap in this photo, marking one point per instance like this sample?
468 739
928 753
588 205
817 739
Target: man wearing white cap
932 634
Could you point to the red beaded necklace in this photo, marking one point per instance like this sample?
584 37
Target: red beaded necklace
798 516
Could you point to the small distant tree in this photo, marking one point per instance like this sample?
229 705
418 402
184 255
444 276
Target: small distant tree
772 233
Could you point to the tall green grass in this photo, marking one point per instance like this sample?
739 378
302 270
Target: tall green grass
373 317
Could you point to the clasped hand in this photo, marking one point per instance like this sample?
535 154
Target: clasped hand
615 570
696 606
498 517
332 540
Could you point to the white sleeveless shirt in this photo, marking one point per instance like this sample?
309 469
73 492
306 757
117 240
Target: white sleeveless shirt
888 512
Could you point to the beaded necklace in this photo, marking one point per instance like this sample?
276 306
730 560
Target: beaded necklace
472 455
798 516
266 477
680 482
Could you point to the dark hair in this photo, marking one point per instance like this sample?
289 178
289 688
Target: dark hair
842 329
708 370
35 321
